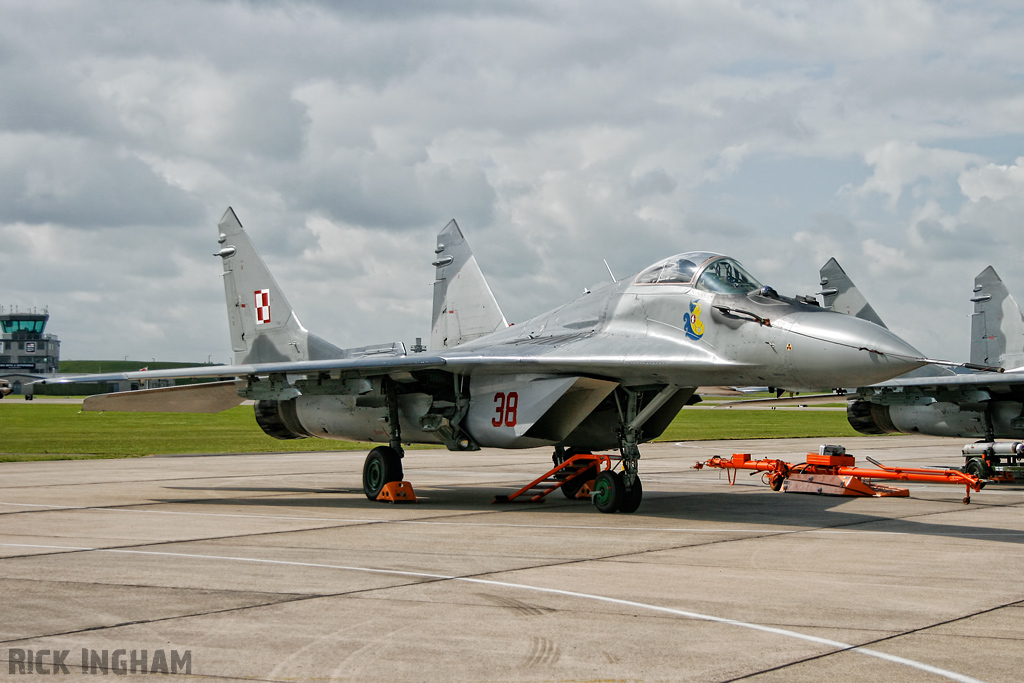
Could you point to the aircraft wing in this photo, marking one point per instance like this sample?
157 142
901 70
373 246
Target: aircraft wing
951 387
216 396
613 365
365 365
798 400
948 385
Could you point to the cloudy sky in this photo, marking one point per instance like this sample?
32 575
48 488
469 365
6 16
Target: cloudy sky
889 134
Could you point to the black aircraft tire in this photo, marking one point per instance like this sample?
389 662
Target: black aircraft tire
607 491
631 496
978 468
382 466
571 488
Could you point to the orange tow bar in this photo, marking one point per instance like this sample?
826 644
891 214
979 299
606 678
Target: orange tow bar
832 472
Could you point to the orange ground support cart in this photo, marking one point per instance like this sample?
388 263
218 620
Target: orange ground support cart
831 471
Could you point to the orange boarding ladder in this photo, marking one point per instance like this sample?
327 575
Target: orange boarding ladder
577 471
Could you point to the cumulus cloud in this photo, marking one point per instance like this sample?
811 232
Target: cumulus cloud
899 165
80 183
347 134
993 181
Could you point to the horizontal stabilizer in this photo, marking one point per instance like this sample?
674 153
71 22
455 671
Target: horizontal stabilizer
211 397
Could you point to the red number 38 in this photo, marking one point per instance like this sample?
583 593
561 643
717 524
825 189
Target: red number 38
506 410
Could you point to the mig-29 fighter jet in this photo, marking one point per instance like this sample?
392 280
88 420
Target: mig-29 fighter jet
607 371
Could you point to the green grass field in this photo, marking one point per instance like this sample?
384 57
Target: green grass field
49 431
734 423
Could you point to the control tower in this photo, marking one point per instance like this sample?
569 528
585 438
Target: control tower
25 348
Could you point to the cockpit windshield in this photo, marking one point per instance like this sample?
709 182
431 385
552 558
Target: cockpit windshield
678 269
726 276
704 269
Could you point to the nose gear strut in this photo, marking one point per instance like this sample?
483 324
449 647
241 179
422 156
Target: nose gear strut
615 492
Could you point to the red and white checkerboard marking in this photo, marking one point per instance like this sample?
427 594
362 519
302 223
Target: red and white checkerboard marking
262 297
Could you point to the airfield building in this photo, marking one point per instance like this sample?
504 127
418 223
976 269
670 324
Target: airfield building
27 351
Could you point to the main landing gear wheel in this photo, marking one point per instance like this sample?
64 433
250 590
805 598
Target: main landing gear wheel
631 496
607 495
382 466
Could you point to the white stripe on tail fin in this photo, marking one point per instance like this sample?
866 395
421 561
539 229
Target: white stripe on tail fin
464 307
264 328
997 326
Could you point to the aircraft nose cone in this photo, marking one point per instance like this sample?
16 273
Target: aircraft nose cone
846 351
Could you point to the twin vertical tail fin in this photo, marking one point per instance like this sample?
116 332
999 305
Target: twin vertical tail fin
841 295
264 328
464 306
997 326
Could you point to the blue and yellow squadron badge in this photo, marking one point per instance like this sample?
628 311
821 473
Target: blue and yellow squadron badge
692 324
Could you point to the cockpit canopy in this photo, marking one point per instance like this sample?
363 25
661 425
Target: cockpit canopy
702 269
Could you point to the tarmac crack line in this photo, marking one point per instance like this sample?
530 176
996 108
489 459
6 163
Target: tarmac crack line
350 524
155 620
290 599
446 519
66 550
921 629
473 467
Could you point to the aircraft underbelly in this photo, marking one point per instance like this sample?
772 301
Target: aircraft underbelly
342 418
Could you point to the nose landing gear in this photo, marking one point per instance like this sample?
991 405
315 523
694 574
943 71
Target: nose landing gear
612 495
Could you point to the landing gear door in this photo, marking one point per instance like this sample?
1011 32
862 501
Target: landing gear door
503 409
